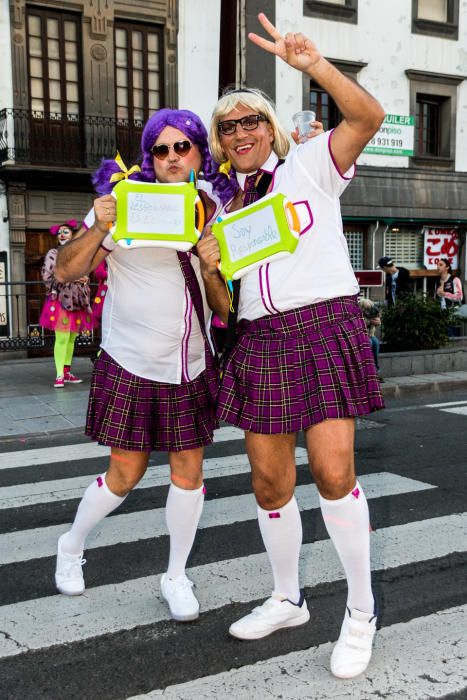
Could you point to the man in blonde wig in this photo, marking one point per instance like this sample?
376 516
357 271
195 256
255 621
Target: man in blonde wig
303 359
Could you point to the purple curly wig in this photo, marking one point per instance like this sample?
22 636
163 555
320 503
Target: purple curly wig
192 126
101 178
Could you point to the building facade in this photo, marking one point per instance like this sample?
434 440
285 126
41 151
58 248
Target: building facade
81 77
411 55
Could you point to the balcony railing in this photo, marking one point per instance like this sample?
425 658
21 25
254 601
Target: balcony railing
40 138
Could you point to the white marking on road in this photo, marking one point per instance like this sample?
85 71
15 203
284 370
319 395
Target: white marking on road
36 624
65 489
447 403
411 660
460 410
130 527
84 450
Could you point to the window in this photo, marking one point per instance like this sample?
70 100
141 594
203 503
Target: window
437 10
54 62
436 18
405 246
138 71
427 126
336 10
316 99
324 107
354 240
433 101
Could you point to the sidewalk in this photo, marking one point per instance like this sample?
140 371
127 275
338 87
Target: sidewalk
29 405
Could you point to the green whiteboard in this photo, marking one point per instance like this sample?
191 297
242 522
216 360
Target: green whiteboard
250 237
155 215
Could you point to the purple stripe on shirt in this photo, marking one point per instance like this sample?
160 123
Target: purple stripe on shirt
262 290
269 289
185 337
334 161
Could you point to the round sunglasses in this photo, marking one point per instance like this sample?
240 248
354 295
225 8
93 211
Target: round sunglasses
181 148
248 123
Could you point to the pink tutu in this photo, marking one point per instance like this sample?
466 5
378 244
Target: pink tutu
98 302
55 318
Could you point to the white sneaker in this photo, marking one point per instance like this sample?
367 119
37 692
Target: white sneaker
352 653
274 614
69 572
177 592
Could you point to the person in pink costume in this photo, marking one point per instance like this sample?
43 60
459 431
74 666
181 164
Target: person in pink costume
67 309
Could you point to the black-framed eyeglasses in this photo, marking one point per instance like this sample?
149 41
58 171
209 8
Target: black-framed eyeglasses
249 123
162 150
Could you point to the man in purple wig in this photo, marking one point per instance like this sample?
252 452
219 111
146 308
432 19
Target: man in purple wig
151 382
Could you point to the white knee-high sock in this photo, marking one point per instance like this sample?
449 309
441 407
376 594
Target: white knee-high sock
282 534
348 524
97 502
182 513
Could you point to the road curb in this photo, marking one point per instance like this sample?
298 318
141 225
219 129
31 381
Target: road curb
397 391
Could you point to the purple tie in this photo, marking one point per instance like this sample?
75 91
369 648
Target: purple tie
250 192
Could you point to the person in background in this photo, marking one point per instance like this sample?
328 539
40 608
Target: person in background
67 309
373 321
397 280
448 288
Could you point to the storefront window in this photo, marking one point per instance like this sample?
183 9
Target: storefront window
405 246
355 246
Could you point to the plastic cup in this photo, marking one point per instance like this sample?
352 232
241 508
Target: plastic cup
302 121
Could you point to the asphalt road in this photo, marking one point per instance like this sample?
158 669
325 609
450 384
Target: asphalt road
118 641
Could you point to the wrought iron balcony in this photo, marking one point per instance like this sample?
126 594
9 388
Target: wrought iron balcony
31 137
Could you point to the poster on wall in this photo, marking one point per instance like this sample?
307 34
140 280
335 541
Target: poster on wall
440 243
395 137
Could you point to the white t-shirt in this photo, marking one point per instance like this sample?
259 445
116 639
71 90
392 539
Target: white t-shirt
320 267
149 323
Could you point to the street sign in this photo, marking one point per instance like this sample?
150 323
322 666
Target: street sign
394 138
369 278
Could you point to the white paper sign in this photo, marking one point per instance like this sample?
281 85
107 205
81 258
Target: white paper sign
156 213
441 243
251 234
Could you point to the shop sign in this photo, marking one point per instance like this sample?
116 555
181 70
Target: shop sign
394 138
440 243
370 278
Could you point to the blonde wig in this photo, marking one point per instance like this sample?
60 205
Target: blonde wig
259 103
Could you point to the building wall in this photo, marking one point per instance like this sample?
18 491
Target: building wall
6 98
383 39
198 56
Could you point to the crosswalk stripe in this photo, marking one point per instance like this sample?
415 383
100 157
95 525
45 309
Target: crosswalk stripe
65 489
85 450
444 404
105 609
129 527
427 650
460 410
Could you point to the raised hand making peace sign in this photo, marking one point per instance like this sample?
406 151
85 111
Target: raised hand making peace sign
294 48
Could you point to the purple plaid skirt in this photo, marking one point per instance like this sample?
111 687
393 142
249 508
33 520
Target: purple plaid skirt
300 367
140 415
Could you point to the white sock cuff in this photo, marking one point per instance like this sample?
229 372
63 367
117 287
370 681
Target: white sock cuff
187 492
353 494
101 483
277 512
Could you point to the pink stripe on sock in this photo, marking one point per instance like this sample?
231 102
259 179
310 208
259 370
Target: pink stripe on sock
356 492
204 490
274 515
100 481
